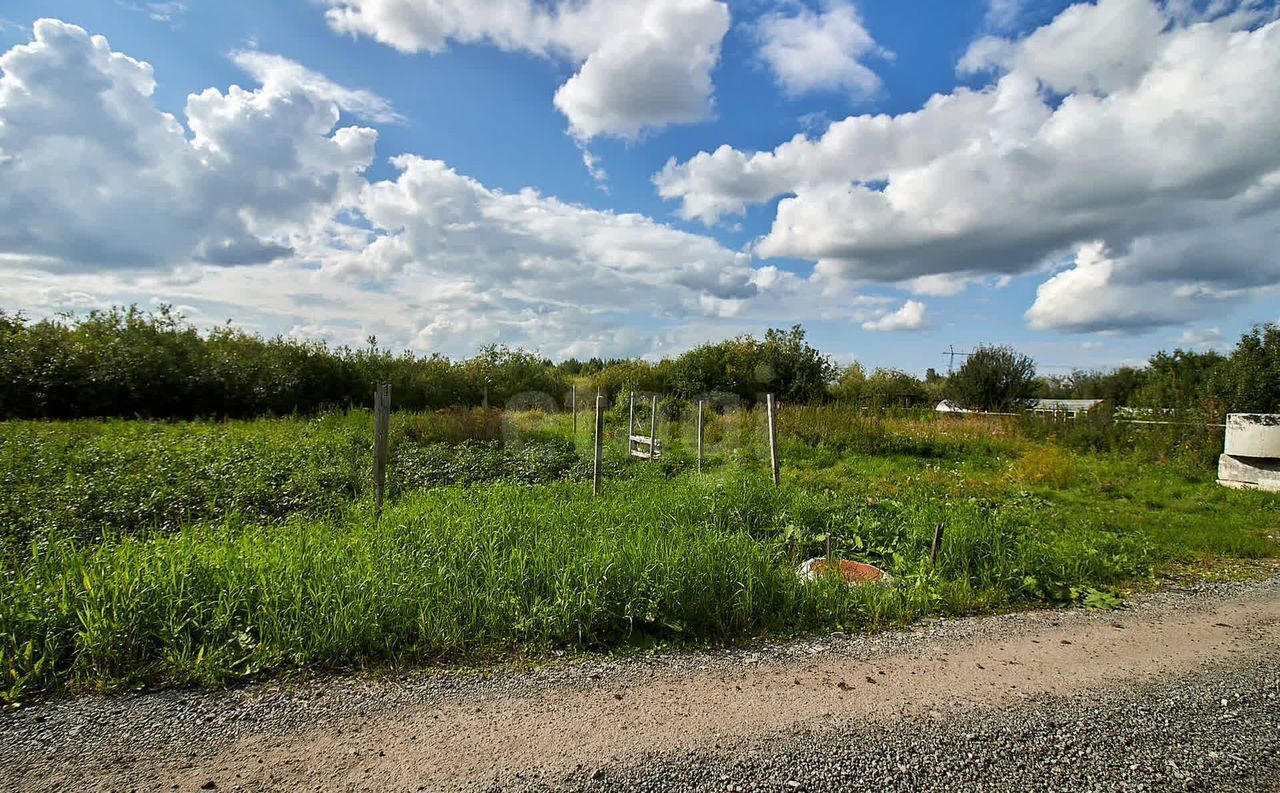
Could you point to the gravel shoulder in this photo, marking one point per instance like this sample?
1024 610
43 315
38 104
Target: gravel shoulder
1179 691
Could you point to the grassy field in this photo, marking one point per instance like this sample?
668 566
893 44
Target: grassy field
149 553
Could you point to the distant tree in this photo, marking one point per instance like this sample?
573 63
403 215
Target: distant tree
621 377
783 362
1117 386
883 388
1184 379
571 367
1250 379
935 385
850 385
799 371
506 372
993 378
894 388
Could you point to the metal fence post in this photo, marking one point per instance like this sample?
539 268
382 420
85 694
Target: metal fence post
700 406
381 429
653 428
595 468
773 436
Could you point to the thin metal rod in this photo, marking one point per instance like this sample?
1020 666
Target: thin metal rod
595 468
573 405
773 436
381 427
701 403
653 428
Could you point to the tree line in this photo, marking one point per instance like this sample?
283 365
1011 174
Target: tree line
127 362
998 378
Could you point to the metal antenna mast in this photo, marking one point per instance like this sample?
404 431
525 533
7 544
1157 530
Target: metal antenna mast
951 354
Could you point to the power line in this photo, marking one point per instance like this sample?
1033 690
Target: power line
951 355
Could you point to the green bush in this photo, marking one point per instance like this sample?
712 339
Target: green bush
131 363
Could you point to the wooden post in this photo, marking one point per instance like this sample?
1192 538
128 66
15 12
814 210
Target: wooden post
573 405
381 427
653 429
595 468
937 545
700 405
773 436
486 396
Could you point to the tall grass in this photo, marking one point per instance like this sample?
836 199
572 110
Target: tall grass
92 480
1185 436
847 429
205 552
475 570
95 480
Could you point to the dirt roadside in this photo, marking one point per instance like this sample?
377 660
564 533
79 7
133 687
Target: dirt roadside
479 732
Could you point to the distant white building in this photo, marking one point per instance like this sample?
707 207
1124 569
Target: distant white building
1064 407
1057 407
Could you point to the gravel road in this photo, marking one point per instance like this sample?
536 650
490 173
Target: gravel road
1180 691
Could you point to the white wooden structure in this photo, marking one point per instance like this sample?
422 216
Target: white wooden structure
646 447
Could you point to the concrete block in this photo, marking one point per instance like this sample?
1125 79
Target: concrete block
1254 472
1252 435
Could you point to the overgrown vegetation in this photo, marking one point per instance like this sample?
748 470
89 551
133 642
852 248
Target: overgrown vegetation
145 551
202 552
92 481
996 379
128 363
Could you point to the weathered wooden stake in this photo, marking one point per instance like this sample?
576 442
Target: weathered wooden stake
937 545
486 396
700 405
595 467
653 429
381 427
773 436
573 405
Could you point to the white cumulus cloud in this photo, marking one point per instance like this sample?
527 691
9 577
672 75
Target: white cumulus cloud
910 316
536 250
1202 339
93 175
642 64
1003 14
819 51
1121 125
105 199
937 285
278 74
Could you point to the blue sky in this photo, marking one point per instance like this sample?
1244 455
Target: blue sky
1088 183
